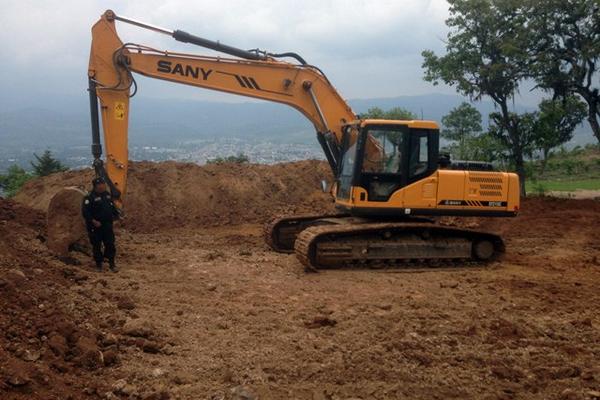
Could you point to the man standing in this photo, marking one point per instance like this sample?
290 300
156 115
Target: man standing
99 213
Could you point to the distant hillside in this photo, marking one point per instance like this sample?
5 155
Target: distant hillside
65 122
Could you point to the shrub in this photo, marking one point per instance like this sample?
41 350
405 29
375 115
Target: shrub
241 158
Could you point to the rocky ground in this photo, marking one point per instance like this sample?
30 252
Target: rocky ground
204 310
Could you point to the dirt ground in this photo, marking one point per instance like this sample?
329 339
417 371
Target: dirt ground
204 310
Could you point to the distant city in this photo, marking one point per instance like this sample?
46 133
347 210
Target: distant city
198 152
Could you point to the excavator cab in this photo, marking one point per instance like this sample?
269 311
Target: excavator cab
383 156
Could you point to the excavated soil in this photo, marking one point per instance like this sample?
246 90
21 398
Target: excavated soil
171 194
203 310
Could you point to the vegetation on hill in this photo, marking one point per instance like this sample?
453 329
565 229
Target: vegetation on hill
566 170
495 46
240 158
15 177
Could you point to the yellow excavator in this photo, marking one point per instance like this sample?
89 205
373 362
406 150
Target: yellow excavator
389 178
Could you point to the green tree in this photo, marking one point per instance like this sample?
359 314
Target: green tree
486 56
556 123
240 158
398 113
46 164
461 125
14 178
565 51
486 147
524 124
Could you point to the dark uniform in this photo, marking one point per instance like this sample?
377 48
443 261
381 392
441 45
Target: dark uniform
100 207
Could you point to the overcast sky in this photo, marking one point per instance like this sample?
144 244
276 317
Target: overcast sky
368 48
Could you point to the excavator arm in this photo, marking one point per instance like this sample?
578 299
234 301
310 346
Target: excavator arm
255 74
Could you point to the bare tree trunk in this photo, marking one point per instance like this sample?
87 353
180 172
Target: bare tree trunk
520 170
593 102
546 152
516 149
593 120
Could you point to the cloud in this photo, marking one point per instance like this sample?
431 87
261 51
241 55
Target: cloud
368 48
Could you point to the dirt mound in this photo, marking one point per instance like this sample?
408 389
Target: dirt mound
52 335
171 194
64 222
560 228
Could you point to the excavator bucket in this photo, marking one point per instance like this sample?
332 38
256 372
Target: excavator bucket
64 221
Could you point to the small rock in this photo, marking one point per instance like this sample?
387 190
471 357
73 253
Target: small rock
125 303
569 394
111 357
587 375
385 307
151 347
568 371
156 372
102 282
241 393
129 391
89 391
451 285
137 328
182 378
228 376
75 275
58 344
222 325
109 340
17 273
109 396
18 379
31 355
320 322
161 394
211 287
89 355
594 394
118 386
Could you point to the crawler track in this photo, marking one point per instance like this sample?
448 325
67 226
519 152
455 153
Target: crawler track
384 244
280 234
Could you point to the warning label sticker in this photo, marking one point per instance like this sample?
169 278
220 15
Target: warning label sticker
119 110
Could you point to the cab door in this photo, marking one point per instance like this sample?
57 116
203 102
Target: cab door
347 169
384 156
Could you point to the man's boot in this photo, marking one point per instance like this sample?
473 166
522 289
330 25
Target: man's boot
113 266
99 266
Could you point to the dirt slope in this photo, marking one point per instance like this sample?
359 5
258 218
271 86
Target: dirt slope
171 194
50 341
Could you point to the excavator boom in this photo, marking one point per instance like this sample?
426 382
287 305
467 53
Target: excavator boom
257 75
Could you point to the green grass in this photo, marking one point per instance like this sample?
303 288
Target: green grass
563 185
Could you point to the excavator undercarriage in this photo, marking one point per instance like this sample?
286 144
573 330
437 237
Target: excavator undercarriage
334 241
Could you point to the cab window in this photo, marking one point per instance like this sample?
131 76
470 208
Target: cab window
419 154
383 152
